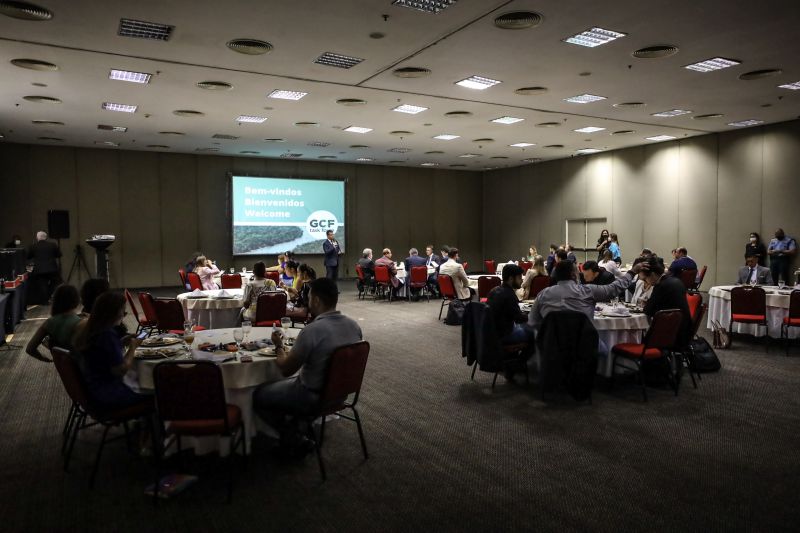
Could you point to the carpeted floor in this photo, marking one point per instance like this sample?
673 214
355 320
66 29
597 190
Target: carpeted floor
447 454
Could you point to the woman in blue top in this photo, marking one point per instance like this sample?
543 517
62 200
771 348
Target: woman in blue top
613 247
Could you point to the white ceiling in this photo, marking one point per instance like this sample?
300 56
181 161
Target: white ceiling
462 40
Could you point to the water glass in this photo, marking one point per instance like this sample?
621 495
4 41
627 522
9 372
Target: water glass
781 283
244 270
285 323
246 325
232 270
238 335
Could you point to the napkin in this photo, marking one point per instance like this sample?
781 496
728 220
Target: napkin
200 355
198 292
224 294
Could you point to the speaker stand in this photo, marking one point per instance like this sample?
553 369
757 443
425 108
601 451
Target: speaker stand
77 262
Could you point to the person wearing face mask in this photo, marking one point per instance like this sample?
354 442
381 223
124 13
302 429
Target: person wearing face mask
602 244
15 242
756 248
781 251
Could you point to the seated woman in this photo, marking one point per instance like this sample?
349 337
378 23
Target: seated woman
290 274
287 278
279 267
60 327
537 269
610 265
255 288
299 296
206 269
90 290
102 357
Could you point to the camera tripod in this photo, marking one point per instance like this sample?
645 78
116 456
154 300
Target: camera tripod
78 261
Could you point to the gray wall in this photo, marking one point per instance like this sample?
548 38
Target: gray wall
705 193
162 207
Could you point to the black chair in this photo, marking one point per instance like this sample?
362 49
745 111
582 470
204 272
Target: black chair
567 343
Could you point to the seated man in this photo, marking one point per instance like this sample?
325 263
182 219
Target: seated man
593 274
504 306
456 271
432 261
753 273
668 293
682 262
560 256
414 260
311 353
386 260
367 266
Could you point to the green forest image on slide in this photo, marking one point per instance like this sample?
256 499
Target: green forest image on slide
249 238
315 247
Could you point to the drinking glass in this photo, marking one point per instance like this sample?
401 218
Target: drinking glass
238 335
285 323
781 283
244 270
232 270
246 325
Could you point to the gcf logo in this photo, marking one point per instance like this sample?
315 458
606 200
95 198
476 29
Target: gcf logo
319 222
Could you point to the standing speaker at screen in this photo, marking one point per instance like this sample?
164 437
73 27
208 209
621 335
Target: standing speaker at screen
332 253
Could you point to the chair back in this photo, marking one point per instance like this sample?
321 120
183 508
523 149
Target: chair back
479 340
274 276
169 314
148 307
538 284
700 277
664 330
525 266
697 319
486 284
693 300
360 272
567 342
689 278
271 307
419 276
382 274
182 274
189 390
194 281
231 281
446 287
794 304
71 377
344 377
135 311
489 266
746 300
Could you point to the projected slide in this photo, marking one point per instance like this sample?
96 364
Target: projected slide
274 215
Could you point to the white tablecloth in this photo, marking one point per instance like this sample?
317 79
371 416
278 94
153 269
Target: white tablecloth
212 313
240 380
473 280
244 275
719 309
618 330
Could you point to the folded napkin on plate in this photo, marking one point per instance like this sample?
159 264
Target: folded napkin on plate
198 292
224 294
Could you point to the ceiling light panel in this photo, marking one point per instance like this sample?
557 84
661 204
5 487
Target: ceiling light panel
478 83
791 86
594 37
410 109
399 150
127 75
588 151
507 120
584 98
124 108
365 159
251 118
428 6
660 138
357 129
745 123
467 156
522 145
589 129
429 164
337 60
319 144
286 95
106 127
710 65
145 30
672 113
447 137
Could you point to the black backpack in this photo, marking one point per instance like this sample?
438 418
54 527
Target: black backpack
455 313
702 356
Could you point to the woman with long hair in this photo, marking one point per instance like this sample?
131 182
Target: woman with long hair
613 247
60 327
602 244
538 269
299 295
255 288
206 269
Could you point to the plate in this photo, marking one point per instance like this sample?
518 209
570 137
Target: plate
165 341
267 352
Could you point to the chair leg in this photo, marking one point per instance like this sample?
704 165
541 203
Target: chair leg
441 308
318 445
474 368
97 457
67 431
494 380
76 425
360 432
231 455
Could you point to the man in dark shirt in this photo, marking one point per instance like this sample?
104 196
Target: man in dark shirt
46 271
504 306
668 293
682 262
367 266
595 275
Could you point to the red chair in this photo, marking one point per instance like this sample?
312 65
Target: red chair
270 308
148 308
689 278
383 282
489 266
486 284
749 306
142 323
231 281
274 276
169 316
700 277
344 378
84 407
182 274
364 284
525 266
538 284
660 338
447 290
697 309
191 403
194 282
418 280
793 319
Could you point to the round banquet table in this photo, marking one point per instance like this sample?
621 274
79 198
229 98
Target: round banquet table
719 309
244 275
240 380
401 275
211 312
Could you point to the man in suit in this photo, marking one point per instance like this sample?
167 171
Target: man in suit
594 275
456 271
46 271
332 253
367 267
413 260
433 261
387 261
753 272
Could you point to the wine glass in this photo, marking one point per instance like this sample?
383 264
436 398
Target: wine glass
246 325
285 323
188 333
238 336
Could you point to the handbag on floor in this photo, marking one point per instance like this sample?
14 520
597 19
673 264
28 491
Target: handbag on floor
722 339
702 356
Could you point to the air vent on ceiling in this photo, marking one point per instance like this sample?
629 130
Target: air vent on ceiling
458 114
188 113
250 152
411 72
158 146
483 140
224 136
144 30
319 144
206 149
42 99
396 161
630 104
399 150
401 133
47 123
555 146
291 155
759 74
623 132
527 91
34 64
434 152
358 146
107 127
215 85
54 139
251 47
707 116
548 125
498 157
38 84
174 133
307 124
337 60
656 52
275 140
351 101
428 6
24 11
518 20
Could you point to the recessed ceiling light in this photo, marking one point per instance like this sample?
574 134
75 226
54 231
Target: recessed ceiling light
672 113
42 99
656 52
144 30
107 143
47 122
215 85
337 60
428 6
319 144
24 11
660 138
791 86
224 136
588 151
518 20
399 150
307 124
411 72
477 82
127 75
589 129
468 156
594 37
124 108
188 113
745 123
34 64
106 127
364 159
410 109
161 146
357 129
715 63
446 137
584 98
522 145
286 95
251 47
429 164
507 120
458 114
251 118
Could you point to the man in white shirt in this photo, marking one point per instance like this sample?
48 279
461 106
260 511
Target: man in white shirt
456 272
